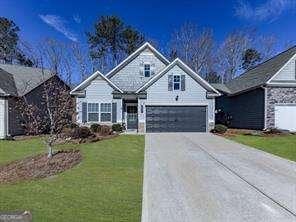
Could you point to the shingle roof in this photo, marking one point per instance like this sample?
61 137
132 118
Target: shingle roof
7 86
19 80
259 75
221 87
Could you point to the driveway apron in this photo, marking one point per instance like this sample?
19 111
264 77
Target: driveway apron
202 177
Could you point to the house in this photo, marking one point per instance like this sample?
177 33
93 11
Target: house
263 97
147 93
20 82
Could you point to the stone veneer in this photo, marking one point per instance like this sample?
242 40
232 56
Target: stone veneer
141 127
277 95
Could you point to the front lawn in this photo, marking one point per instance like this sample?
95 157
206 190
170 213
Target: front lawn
105 186
283 146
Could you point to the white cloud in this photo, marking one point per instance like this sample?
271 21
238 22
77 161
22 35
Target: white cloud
270 10
58 24
77 19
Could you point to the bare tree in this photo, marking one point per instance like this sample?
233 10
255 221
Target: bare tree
55 106
183 40
82 60
194 47
266 45
57 100
230 53
59 106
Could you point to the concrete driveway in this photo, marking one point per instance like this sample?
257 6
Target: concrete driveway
202 177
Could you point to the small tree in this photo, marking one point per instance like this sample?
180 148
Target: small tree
59 106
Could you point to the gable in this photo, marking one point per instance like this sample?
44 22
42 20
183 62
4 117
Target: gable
287 73
98 89
262 73
131 76
97 76
186 70
193 89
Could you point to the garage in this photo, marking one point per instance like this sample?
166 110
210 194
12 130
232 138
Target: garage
285 117
176 118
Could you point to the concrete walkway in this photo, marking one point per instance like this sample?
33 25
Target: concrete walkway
202 177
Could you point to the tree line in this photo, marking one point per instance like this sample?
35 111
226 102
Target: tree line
111 40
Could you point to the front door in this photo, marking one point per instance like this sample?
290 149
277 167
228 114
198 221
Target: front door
132 116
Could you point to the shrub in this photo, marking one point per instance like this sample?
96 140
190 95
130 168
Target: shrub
67 132
219 128
95 128
105 130
276 131
117 127
81 132
71 126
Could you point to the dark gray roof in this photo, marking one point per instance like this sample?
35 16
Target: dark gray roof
259 75
7 86
19 80
221 87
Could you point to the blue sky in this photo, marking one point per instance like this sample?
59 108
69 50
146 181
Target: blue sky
68 20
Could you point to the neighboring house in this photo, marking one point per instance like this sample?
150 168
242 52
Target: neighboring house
147 93
20 82
263 97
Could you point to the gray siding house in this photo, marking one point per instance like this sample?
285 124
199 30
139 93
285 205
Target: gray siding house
20 82
263 97
147 93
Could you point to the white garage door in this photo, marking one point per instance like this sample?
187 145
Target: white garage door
2 116
285 117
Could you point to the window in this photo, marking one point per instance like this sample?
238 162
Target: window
147 70
93 112
177 82
105 112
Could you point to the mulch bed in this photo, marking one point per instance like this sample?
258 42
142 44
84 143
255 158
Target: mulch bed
39 166
92 139
234 132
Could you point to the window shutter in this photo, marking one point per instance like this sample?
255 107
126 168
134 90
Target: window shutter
152 69
141 69
114 112
84 112
182 82
170 82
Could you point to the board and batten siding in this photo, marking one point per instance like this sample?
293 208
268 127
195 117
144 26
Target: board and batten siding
288 72
246 110
129 77
99 91
2 118
194 94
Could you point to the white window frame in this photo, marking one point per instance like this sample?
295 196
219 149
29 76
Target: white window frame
147 64
106 112
176 82
88 112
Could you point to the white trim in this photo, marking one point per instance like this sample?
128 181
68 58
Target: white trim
92 77
285 104
87 111
269 81
189 71
147 63
131 56
105 112
176 82
284 84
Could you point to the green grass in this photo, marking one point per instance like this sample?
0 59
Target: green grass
283 146
105 186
